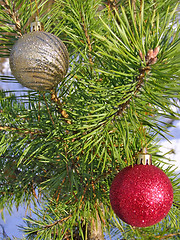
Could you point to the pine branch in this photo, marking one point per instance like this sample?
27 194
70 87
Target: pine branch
75 169
50 226
140 81
13 15
151 58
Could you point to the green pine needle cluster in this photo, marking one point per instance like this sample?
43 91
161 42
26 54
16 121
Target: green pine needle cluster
120 95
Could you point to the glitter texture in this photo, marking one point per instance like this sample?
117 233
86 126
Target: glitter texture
39 60
141 195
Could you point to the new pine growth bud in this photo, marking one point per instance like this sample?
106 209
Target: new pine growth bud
151 57
141 55
149 54
156 51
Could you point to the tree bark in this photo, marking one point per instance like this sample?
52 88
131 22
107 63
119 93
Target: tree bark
95 229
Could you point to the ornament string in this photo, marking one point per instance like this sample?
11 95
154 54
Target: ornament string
37 8
142 130
37 11
31 6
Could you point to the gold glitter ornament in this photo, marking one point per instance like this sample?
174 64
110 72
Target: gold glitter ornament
39 60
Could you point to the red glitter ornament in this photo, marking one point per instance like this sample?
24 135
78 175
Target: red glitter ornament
141 195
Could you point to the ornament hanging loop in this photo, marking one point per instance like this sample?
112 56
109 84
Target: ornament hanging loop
144 158
36 26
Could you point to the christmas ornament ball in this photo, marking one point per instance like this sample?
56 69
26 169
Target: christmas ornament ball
141 195
39 60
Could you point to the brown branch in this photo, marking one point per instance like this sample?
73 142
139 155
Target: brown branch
141 7
56 100
83 195
139 80
95 228
106 174
24 131
58 222
55 223
112 6
48 109
14 17
87 39
133 2
9 157
167 236
33 191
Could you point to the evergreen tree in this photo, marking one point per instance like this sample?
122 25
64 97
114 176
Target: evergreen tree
62 148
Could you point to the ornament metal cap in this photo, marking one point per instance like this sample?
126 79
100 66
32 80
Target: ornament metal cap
36 26
144 158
